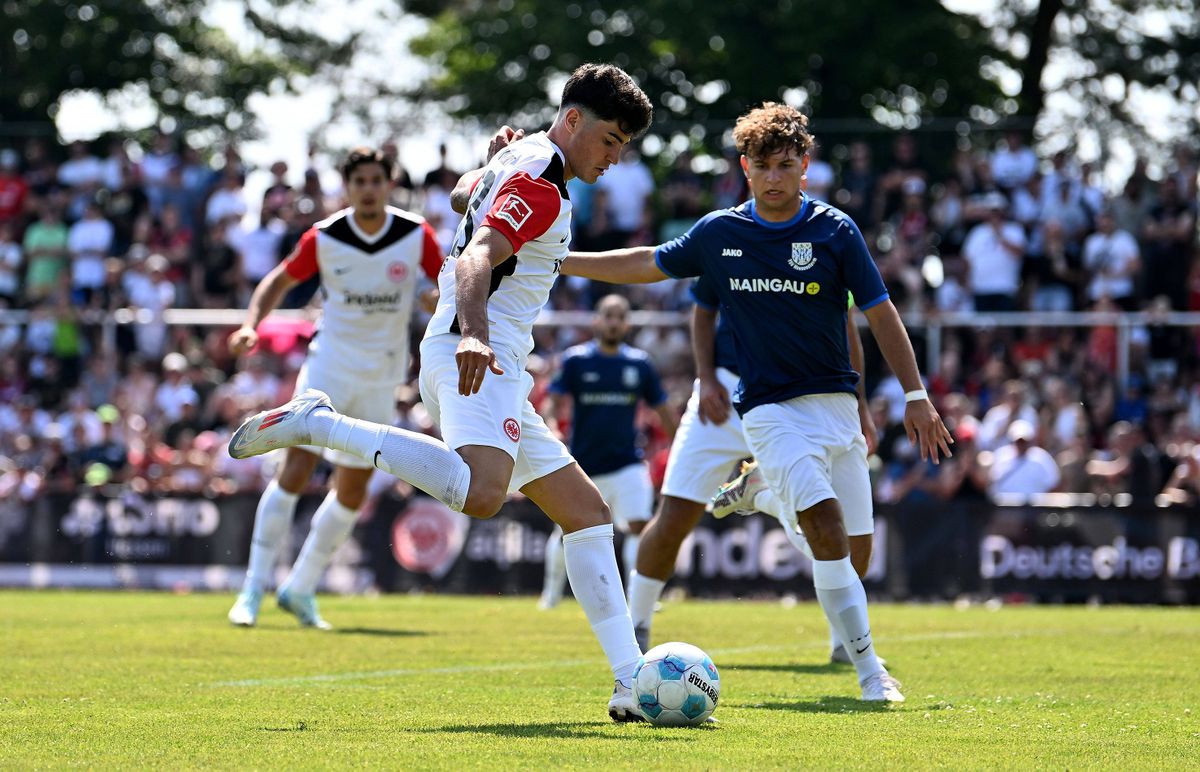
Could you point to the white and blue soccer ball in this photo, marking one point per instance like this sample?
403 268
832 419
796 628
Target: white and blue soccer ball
676 684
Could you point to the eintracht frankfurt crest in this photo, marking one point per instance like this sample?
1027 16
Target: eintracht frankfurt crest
802 256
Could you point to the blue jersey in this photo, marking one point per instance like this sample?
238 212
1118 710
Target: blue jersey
605 389
783 287
725 355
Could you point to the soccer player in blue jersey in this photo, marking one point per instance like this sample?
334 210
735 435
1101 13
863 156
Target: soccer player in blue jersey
604 380
710 443
782 265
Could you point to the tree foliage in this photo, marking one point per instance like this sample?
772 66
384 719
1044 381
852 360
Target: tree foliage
191 70
897 63
1107 57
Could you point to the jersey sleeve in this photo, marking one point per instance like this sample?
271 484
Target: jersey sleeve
524 209
431 252
705 294
859 269
302 264
683 256
652 390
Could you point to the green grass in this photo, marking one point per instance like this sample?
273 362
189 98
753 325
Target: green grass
147 679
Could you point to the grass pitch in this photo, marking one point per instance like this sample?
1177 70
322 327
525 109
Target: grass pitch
157 680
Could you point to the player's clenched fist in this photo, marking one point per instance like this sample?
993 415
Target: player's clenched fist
242 340
474 358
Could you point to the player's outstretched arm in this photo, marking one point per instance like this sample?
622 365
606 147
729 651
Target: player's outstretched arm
635 265
472 276
263 301
921 420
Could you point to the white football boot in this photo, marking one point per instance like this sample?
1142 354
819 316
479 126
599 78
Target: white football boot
304 607
738 494
245 609
623 706
881 687
283 427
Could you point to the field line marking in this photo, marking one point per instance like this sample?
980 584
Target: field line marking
364 675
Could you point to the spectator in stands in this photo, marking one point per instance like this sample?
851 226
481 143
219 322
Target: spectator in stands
1169 233
1054 270
403 191
1130 465
905 165
89 241
627 186
1013 407
1111 257
819 177
228 201
11 258
257 248
1022 467
994 250
279 193
729 189
1014 162
1183 487
174 390
13 189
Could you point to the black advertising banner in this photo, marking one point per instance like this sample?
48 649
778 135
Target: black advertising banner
1110 554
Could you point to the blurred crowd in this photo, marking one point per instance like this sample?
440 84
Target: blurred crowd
91 228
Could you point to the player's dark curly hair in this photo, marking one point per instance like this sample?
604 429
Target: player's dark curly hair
361 156
608 92
770 129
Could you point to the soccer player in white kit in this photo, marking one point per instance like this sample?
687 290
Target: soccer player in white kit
782 265
369 257
507 253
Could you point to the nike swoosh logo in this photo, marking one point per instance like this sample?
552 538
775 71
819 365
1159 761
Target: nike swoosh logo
375 461
864 648
340 271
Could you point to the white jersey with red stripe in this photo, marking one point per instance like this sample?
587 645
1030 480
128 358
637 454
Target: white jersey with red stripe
522 194
368 282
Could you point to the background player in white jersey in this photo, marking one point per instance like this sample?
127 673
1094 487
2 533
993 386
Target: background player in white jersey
782 265
707 446
506 257
604 380
369 257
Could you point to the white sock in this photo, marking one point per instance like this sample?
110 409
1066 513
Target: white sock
331 526
272 521
629 548
844 602
767 502
596 582
834 641
556 568
418 460
644 592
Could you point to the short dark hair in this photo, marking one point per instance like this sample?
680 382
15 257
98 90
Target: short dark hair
770 129
361 156
608 92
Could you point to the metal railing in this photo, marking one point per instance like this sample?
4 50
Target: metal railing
933 325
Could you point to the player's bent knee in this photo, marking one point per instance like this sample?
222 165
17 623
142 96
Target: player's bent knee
484 501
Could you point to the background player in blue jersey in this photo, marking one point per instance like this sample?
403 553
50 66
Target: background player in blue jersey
782 265
605 379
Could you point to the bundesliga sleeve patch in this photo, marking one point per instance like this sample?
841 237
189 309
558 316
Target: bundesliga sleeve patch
515 211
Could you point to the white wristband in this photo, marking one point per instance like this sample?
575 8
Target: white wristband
916 395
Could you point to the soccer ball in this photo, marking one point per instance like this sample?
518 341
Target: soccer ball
676 684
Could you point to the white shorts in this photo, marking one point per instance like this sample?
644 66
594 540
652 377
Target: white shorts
811 448
703 454
499 416
370 401
628 493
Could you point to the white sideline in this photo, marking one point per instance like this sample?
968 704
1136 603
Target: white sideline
504 666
